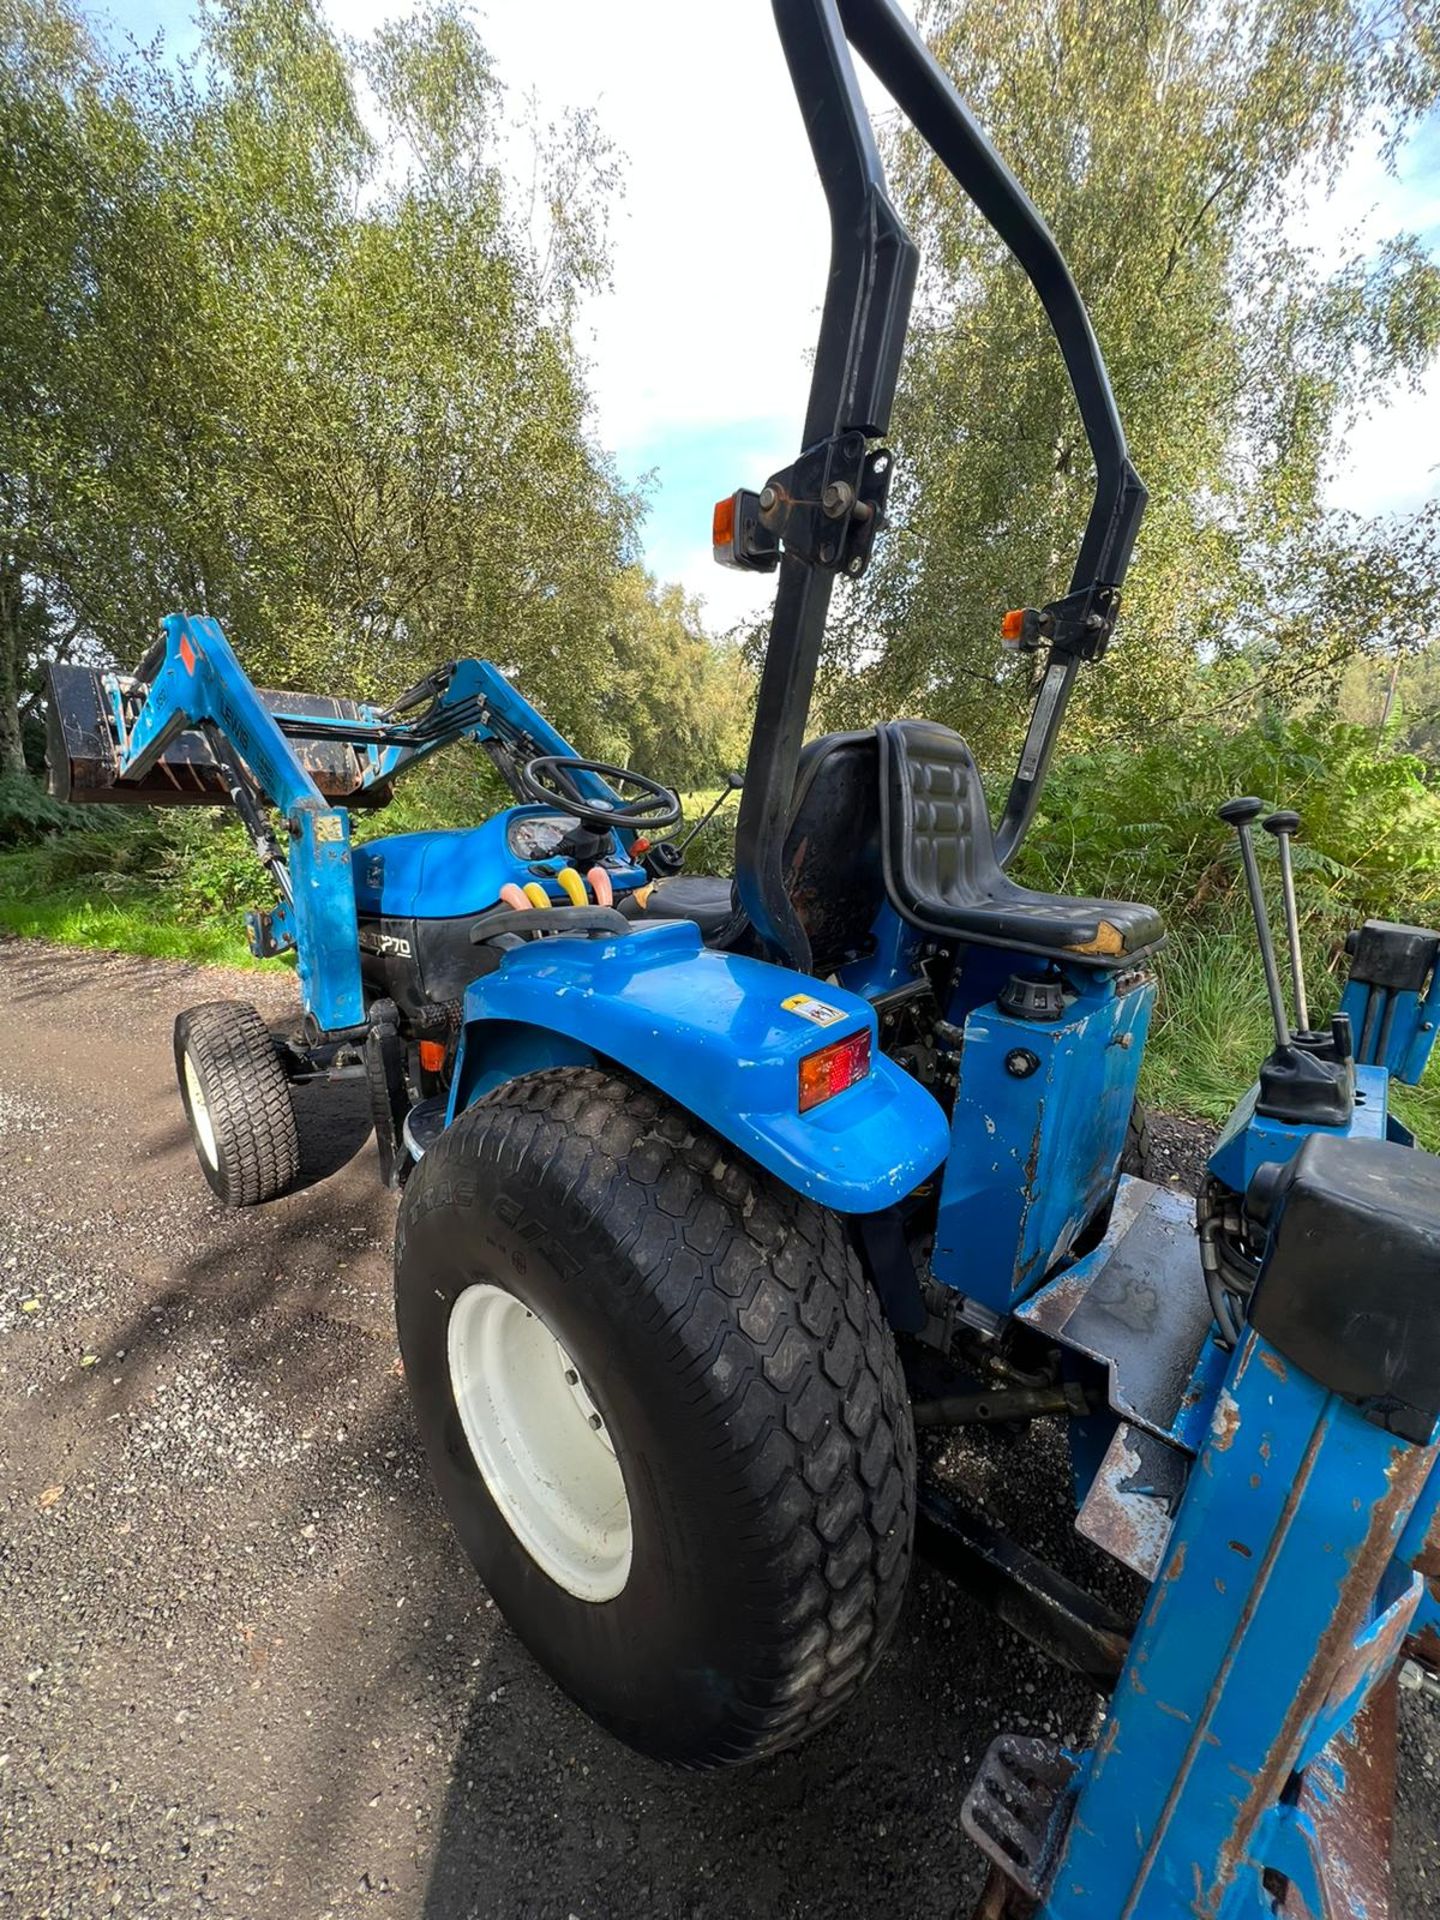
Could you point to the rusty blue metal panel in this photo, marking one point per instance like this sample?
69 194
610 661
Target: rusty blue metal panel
1280 1603
1249 1139
1420 1548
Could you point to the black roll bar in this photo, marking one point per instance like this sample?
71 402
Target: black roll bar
862 333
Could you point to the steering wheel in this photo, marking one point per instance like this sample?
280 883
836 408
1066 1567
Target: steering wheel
549 781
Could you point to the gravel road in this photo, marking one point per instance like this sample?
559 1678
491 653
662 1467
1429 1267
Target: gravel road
243 1668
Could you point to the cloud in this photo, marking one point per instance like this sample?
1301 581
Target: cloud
1390 463
698 356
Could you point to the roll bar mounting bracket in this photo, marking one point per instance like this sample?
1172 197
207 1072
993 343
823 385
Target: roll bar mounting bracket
827 507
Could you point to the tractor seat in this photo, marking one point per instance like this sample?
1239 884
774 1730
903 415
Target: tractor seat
941 873
701 897
900 811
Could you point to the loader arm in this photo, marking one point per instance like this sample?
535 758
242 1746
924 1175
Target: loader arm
201 685
191 728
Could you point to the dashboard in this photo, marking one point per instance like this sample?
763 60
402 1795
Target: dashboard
537 836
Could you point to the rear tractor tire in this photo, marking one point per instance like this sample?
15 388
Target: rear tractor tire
663 1410
1139 1144
237 1100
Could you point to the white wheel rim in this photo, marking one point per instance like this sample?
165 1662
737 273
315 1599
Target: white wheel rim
539 1441
200 1115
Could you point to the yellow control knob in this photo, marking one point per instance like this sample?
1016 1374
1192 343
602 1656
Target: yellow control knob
574 887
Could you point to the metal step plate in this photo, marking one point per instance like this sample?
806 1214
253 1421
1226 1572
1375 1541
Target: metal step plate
1137 1305
1019 1807
1131 1506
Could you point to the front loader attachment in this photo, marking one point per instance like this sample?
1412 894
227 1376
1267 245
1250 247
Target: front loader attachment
188 728
88 709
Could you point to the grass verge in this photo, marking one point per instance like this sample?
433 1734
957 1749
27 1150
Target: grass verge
118 918
1212 1029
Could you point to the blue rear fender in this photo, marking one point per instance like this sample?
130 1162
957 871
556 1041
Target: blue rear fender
713 1032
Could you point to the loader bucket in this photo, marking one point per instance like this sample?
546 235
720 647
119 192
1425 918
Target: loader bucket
82 748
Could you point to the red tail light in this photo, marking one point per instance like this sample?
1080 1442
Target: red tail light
834 1068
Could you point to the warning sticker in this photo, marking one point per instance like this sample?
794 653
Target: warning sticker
816 1010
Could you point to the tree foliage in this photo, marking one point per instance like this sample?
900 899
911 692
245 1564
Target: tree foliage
678 704
1396 701
1171 145
308 370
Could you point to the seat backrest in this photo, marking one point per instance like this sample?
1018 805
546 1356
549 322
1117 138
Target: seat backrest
831 859
941 844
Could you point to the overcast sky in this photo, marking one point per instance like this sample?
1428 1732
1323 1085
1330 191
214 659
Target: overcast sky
697 356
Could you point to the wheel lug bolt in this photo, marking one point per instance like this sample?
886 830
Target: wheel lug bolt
596 1422
572 1378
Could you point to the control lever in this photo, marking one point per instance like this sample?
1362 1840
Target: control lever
1308 1079
1241 814
1282 825
733 784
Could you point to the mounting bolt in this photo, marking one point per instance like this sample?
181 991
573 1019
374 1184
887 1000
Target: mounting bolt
1415 1678
837 499
596 1422
768 497
1020 1062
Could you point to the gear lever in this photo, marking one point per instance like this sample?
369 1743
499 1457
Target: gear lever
1241 814
1282 825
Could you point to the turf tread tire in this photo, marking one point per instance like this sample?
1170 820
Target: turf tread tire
752 1298
1138 1156
247 1095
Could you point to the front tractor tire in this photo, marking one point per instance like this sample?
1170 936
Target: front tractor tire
663 1410
237 1100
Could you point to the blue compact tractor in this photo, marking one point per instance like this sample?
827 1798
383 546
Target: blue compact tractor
714 1191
